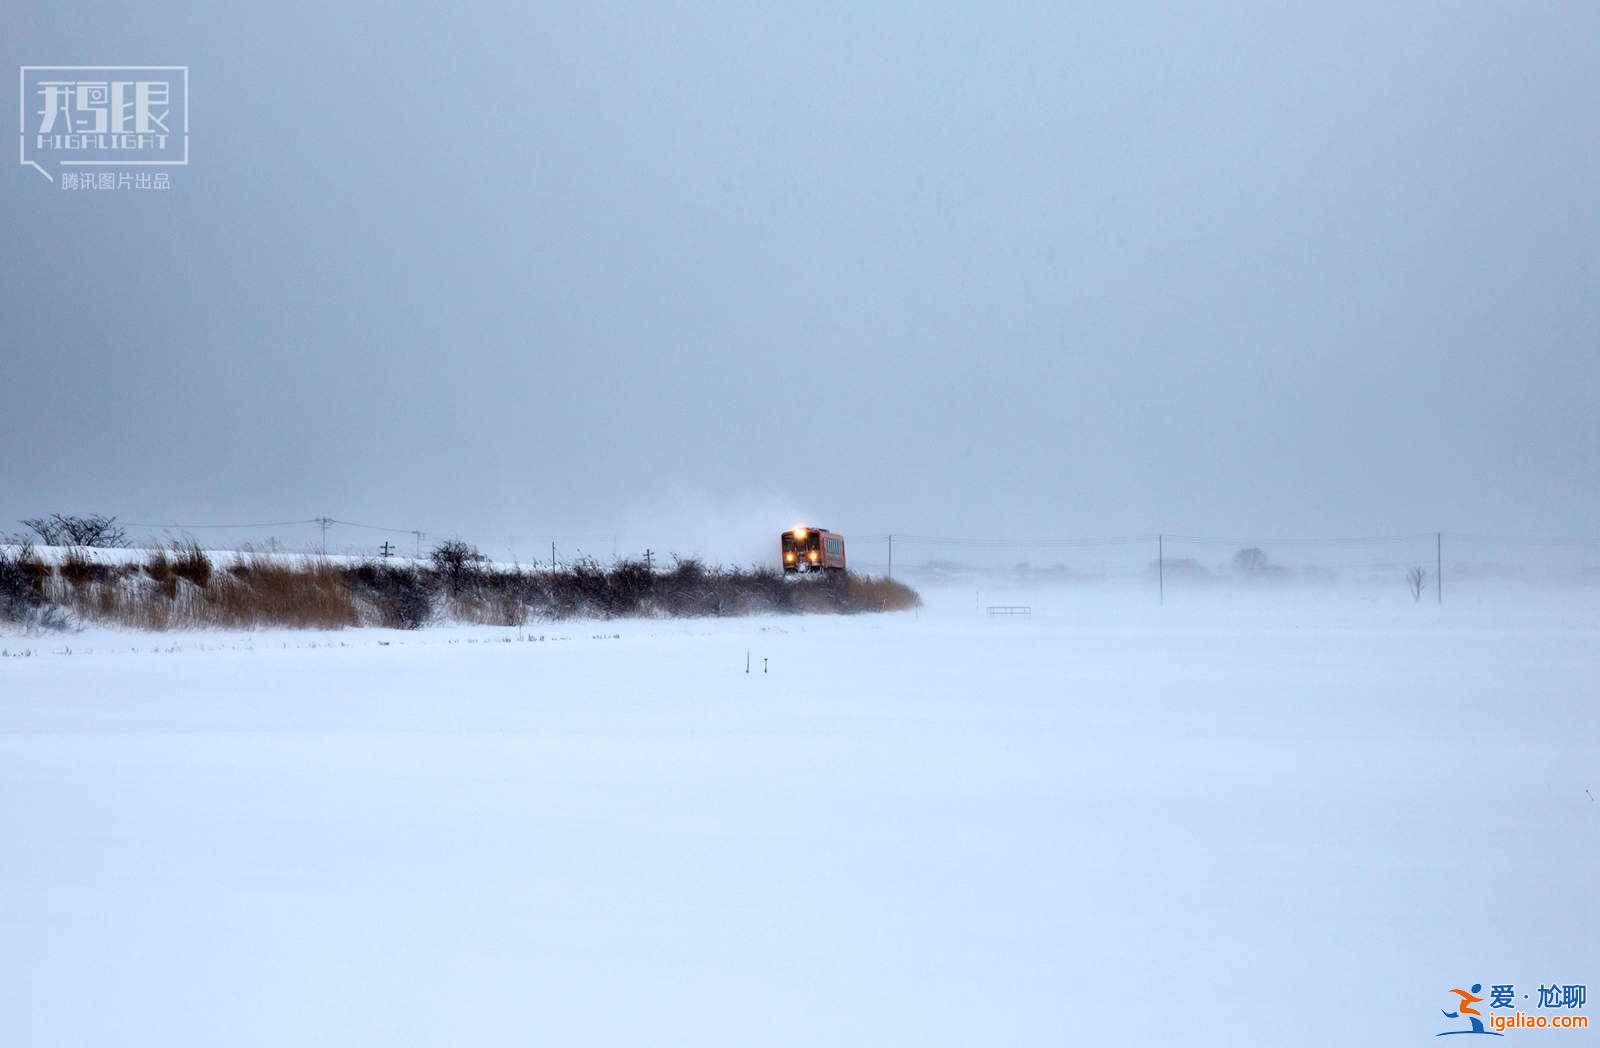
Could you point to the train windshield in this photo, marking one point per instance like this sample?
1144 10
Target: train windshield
811 540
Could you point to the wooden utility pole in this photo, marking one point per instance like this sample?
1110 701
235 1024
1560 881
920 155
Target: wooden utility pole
891 558
1438 567
649 560
552 554
1161 569
387 549
324 521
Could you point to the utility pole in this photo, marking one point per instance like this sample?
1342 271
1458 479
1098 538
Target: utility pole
419 535
387 549
552 554
324 521
649 560
1438 566
1161 569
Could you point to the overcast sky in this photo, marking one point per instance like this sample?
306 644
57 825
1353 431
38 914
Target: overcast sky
943 268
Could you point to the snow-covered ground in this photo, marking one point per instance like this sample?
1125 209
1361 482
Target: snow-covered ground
1264 819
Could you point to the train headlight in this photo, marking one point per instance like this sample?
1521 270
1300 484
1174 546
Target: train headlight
813 556
788 558
800 532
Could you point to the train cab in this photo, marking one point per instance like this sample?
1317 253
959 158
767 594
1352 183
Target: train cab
806 548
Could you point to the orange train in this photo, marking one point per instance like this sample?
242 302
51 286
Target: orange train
806 548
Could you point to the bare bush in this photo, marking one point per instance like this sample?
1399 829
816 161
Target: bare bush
96 530
401 596
1415 578
689 589
1251 561
490 598
22 580
454 558
630 589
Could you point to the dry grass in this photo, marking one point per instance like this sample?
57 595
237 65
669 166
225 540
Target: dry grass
265 591
189 562
78 568
876 593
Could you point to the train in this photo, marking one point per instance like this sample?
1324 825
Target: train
806 548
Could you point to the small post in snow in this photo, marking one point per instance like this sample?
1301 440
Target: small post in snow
1438 566
747 660
763 664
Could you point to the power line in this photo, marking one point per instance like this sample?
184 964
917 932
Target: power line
374 527
267 524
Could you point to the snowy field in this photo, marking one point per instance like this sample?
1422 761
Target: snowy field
1274 819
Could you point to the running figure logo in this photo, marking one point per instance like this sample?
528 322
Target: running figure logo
1465 1010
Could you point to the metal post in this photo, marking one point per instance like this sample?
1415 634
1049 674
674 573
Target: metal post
1438 566
1161 569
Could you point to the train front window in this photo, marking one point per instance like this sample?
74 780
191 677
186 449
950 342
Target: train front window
792 543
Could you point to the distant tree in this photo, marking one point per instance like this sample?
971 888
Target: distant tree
1414 579
62 530
1251 561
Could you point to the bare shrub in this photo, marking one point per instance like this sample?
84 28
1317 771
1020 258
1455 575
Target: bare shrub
95 530
490 598
579 589
22 578
762 589
689 589
401 596
630 588
1415 578
454 558
1251 561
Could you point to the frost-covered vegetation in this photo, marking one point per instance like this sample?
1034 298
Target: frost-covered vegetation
183 586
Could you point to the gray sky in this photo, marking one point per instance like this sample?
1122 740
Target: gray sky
942 268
